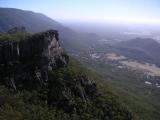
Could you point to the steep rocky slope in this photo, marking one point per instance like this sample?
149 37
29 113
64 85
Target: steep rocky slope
37 77
29 61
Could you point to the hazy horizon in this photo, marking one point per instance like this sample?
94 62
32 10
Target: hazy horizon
128 11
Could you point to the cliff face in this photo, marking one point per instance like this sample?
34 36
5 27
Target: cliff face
39 63
36 76
26 63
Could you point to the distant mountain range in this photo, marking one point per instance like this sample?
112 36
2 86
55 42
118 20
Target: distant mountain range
141 49
37 22
34 22
146 47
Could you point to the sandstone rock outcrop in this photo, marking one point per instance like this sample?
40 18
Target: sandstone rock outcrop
38 63
25 63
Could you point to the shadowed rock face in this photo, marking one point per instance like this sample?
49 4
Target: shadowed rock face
26 63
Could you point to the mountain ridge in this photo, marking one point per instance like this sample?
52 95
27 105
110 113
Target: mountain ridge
13 21
37 22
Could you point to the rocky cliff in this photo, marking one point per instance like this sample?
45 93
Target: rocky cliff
26 63
35 62
38 81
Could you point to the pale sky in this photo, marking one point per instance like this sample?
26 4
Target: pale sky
139 11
